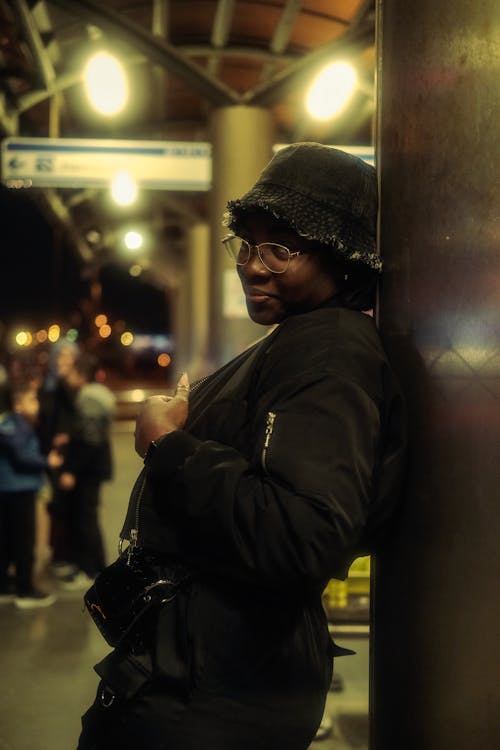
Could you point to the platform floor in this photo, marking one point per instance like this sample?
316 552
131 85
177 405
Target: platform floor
47 654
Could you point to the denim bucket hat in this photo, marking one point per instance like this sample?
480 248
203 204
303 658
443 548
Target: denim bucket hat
324 194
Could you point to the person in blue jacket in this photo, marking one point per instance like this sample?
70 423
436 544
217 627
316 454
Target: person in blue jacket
22 468
265 480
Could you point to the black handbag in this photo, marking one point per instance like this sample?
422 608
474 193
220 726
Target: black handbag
127 592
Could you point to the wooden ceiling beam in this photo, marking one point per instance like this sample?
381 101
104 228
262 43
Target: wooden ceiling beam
222 23
161 16
359 35
24 17
9 121
283 30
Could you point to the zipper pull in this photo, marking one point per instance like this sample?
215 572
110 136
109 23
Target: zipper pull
271 416
132 545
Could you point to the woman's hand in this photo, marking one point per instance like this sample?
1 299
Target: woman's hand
160 415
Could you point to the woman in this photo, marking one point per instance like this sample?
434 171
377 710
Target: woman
266 481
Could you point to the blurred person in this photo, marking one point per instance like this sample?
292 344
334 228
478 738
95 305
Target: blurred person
56 398
88 463
22 468
57 418
263 481
4 389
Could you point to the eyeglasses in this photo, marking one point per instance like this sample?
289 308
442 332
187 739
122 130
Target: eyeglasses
276 258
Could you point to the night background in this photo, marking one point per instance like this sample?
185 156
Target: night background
35 261
45 282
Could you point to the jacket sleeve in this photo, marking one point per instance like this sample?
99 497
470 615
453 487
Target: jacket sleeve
294 512
23 454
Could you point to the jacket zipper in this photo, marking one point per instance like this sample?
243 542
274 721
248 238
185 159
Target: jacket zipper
134 533
133 536
198 383
271 416
138 491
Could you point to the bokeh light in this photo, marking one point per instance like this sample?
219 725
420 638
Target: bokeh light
135 270
105 331
127 338
41 336
22 338
133 240
54 333
101 320
164 359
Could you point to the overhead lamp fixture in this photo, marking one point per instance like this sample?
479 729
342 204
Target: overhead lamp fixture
123 188
133 240
106 83
331 90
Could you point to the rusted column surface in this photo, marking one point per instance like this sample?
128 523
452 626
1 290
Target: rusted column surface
436 603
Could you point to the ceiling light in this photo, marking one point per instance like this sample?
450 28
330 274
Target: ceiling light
106 83
331 90
123 188
133 240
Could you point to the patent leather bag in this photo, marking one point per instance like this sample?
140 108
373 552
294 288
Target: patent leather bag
123 598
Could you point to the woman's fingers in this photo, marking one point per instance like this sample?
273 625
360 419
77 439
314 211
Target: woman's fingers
182 389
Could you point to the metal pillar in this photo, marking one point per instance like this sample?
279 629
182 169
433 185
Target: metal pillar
242 139
436 607
198 276
177 296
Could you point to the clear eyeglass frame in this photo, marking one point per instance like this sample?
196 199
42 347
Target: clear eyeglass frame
272 255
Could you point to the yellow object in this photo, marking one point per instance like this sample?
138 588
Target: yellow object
336 593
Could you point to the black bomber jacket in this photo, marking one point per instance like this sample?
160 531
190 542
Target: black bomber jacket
290 464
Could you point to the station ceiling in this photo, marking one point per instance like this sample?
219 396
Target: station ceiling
184 58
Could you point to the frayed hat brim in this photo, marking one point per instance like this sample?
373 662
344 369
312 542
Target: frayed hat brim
310 220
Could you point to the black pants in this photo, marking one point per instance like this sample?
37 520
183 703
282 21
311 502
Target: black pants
156 720
85 538
17 537
155 702
59 534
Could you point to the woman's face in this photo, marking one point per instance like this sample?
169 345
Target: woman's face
305 285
